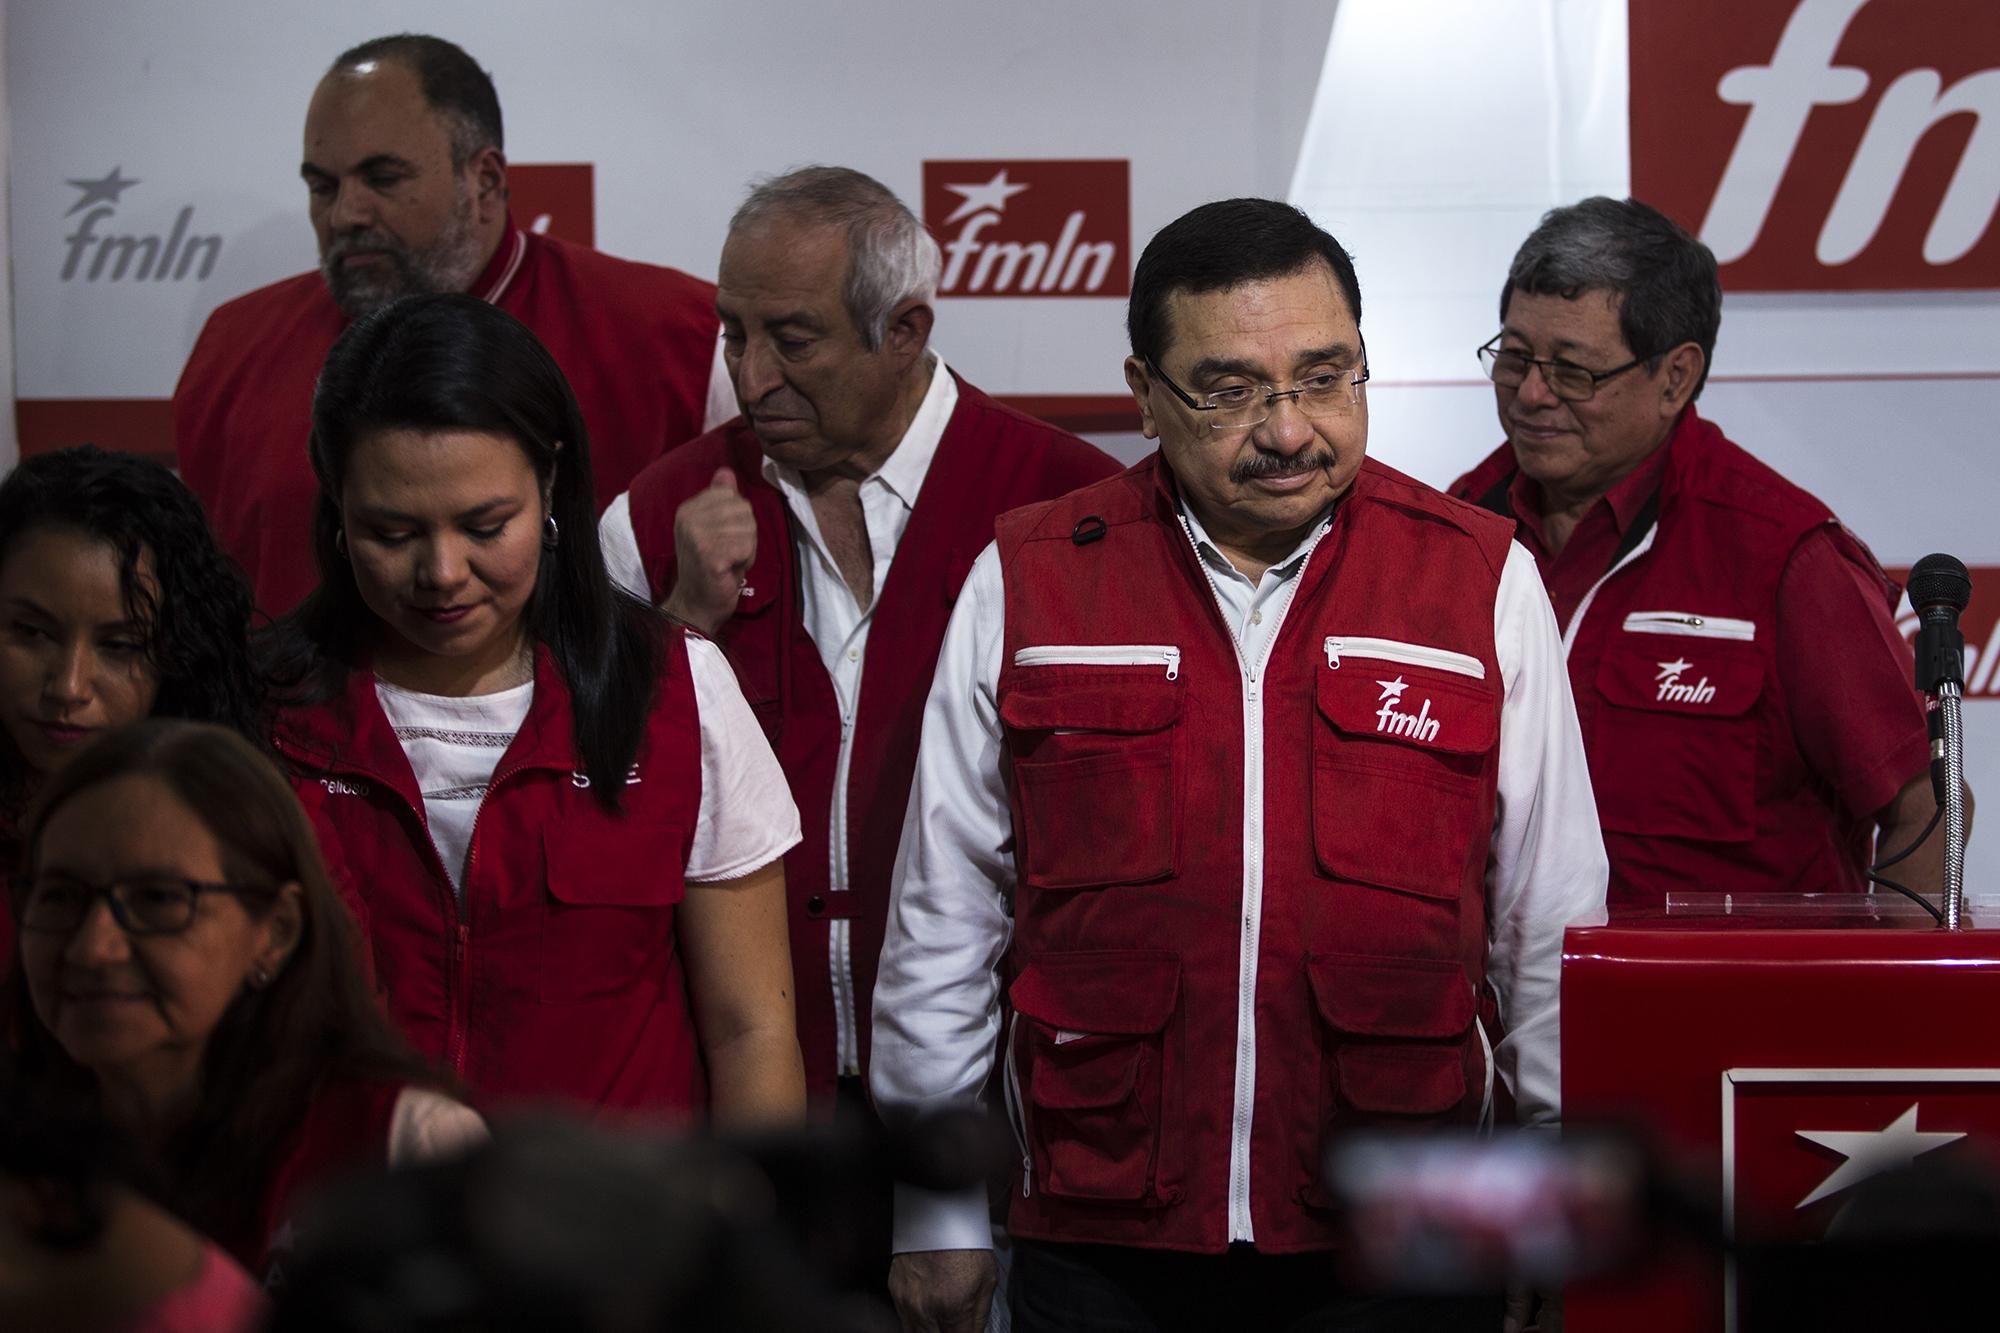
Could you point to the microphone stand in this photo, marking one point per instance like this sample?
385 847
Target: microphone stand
1954 803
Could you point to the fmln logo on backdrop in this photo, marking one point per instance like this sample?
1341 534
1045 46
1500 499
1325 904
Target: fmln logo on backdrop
1032 228
94 251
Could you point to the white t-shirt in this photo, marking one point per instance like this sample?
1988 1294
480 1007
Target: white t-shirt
746 821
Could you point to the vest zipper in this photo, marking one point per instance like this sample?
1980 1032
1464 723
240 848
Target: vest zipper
1241 1225
460 981
1409 654
1693 626
1104 654
1017 1109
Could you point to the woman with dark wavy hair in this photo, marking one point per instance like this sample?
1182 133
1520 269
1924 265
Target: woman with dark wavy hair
561 822
186 969
116 604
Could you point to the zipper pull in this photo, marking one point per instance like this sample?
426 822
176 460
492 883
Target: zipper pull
1173 664
1027 1175
1333 652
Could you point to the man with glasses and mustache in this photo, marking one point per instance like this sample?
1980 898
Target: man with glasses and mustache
407 187
1253 771
1744 695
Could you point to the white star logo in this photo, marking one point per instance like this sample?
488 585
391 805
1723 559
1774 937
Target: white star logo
1870 1152
994 194
1393 689
1668 670
102 191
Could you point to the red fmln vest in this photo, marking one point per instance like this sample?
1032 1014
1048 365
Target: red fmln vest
1673 661
345 1132
1127 720
637 343
559 977
991 459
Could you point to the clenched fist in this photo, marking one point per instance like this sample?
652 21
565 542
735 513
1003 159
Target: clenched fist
715 539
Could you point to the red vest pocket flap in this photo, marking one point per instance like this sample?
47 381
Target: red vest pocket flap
1430 710
640 865
1402 1080
1095 992
1695 677
1391 997
1128 702
1086 1073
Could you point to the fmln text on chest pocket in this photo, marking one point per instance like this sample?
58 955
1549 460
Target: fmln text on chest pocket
1094 746
608 918
1402 742
1674 742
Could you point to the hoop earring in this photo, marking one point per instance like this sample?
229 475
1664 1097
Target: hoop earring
551 534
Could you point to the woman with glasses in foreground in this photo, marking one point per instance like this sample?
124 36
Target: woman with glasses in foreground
562 821
186 969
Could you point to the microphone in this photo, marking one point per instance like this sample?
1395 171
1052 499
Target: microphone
1939 590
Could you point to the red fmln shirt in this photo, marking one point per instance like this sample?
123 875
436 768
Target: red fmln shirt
636 341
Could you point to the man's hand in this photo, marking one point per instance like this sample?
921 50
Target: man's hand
943 1291
715 539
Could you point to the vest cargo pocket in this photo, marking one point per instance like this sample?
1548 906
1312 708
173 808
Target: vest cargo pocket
1396 1048
1101 1074
1399 772
1092 751
608 917
1674 741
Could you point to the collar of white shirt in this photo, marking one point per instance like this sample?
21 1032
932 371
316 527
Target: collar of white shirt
1285 569
903 474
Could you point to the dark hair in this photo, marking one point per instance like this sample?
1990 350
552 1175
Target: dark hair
197 610
448 362
1226 244
1668 289
454 86
274 1046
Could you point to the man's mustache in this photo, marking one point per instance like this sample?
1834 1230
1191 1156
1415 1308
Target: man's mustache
1263 467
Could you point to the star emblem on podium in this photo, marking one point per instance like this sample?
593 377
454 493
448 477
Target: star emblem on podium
1870 1152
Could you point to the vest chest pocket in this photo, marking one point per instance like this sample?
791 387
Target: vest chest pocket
1400 753
1093 747
1395 1040
1102 1073
608 919
1673 748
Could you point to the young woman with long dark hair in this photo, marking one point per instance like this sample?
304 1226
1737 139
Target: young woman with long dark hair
187 970
116 604
559 819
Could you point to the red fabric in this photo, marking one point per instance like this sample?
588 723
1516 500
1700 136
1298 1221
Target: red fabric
561 975
1593 543
636 341
222 1298
1127 792
345 1130
1772 782
991 459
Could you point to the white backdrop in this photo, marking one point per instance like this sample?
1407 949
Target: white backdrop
1427 136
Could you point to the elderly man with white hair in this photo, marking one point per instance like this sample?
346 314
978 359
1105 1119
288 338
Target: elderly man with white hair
822 537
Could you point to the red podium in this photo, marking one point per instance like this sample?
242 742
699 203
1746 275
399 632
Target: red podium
1788 1059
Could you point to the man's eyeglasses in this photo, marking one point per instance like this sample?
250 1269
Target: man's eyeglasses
1335 393
1566 380
53 903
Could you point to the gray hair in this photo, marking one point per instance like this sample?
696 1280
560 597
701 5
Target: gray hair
1666 281
890 257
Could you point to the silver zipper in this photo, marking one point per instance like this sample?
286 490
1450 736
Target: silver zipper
1409 654
1102 654
1017 1109
1691 625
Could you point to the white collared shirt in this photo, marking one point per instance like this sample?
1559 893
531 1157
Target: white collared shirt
950 916
837 623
